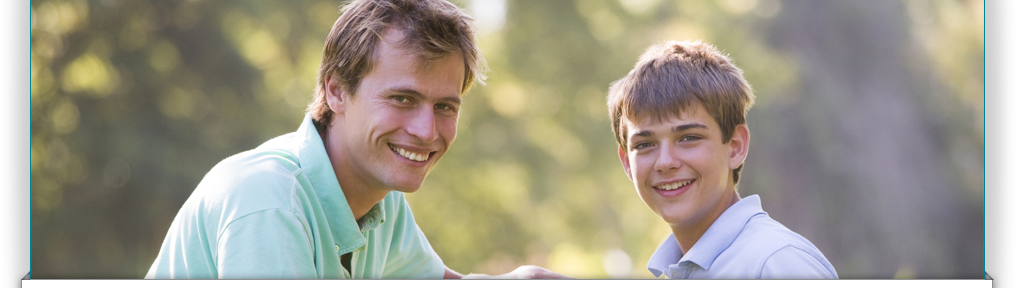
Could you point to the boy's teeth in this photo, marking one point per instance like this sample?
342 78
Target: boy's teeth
673 186
410 155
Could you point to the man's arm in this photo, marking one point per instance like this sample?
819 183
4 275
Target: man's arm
450 274
524 272
269 244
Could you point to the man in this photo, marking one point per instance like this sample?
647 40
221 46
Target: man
324 201
679 118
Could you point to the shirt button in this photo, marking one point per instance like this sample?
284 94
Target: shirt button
337 248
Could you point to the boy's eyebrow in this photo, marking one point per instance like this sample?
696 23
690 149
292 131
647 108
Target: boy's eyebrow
643 133
680 128
685 127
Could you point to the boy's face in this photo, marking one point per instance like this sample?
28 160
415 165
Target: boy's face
680 168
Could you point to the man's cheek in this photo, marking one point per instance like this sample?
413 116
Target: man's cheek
448 130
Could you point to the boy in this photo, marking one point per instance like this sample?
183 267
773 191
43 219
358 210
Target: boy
679 118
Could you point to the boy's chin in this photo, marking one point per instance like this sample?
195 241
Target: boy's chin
671 216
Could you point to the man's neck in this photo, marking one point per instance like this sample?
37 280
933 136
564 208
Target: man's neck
359 195
361 201
688 235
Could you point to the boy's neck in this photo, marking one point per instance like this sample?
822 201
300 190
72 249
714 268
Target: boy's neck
687 235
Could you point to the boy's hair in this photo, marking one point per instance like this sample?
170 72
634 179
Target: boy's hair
670 77
433 29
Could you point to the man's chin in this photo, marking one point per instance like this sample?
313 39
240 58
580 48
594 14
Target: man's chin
408 179
408 186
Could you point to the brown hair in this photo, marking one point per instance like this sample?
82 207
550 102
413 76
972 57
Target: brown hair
670 77
433 29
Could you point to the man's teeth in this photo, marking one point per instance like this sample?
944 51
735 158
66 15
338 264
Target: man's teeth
410 155
673 186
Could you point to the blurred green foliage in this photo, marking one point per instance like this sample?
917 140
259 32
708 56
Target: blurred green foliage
867 133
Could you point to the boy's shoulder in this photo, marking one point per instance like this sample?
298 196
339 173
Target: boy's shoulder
773 249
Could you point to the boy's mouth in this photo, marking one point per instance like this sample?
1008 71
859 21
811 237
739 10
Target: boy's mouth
673 185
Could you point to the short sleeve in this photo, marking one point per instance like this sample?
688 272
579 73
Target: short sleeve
268 244
794 263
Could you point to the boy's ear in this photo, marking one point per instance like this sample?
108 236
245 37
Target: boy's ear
624 157
335 95
739 145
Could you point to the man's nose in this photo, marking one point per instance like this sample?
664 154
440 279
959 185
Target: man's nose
422 125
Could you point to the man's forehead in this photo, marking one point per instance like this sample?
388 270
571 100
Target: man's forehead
395 43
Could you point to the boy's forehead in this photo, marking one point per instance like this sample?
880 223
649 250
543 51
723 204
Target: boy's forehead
649 118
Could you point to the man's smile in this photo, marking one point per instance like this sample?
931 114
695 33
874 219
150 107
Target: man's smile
409 155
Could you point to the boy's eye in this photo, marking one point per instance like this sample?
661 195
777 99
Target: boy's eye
688 138
639 146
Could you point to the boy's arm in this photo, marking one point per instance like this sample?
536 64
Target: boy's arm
794 263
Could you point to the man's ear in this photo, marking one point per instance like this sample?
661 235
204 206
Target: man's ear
739 145
624 157
335 95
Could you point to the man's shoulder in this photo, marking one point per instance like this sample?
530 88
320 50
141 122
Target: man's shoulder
261 178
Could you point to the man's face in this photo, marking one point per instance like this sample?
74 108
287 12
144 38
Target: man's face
401 119
680 168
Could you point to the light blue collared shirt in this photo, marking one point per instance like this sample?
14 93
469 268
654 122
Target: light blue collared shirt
743 243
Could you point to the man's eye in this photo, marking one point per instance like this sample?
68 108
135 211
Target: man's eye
689 138
401 99
445 109
641 146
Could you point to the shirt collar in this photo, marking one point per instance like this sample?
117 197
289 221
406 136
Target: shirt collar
715 240
667 253
314 162
374 217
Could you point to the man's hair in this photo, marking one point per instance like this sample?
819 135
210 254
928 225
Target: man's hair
433 29
670 77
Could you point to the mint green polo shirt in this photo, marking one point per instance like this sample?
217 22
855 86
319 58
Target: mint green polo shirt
277 212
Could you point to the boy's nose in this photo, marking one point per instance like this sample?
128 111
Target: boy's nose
666 159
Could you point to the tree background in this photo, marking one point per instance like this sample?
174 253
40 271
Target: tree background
867 132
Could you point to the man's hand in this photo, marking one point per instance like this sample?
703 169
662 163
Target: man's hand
524 272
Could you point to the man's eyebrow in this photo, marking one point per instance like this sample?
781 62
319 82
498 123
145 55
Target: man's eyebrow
415 94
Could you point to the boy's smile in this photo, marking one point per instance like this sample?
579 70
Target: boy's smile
681 169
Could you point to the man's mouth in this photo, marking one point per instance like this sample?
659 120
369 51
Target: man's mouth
673 185
416 157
